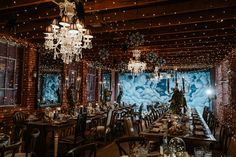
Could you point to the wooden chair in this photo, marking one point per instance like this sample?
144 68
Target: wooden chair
212 123
227 140
137 118
19 117
129 128
205 113
18 120
30 151
105 129
147 121
119 127
132 142
10 150
83 150
223 144
78 137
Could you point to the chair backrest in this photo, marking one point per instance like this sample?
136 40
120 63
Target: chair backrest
205 113
34 135
81 150
129 128
140 110
132 142
19 117
227 139
109 118
212 123
19 127
13 148
80 126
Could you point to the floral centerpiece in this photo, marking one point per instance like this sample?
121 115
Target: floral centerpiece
178 102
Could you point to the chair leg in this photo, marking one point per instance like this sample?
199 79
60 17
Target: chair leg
110 137
105 139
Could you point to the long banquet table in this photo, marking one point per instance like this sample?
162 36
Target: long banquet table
192 129
56 126
53 127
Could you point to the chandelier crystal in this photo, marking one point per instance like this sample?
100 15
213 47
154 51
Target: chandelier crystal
134 65
69 37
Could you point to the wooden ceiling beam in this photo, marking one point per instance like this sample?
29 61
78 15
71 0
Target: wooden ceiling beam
160 50
148 11
173 35
106 5
185 28
152 11
151 38
177 40
33 14
218 15
202 27
167 52
172 21
8 6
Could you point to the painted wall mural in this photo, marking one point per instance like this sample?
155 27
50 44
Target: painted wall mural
142 89
51 89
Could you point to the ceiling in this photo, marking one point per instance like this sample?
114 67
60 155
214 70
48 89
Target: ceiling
188 34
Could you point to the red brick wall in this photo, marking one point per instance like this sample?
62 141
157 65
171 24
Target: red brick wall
28 86
226 94
226 86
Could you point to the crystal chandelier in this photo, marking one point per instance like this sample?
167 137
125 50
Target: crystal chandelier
134 65
69 37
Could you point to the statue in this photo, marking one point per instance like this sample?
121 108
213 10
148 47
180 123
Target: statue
120 95
71 98
177 102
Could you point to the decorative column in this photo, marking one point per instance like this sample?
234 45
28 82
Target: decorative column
84 82
29 81
65 85
113 88
98 87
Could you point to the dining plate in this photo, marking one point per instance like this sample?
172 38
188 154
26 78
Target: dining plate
155 130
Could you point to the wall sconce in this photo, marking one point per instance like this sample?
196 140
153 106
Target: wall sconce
67 81
78 82
34 74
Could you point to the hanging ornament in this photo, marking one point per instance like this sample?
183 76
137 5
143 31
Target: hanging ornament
97 64
122 66
160 62
104 54
135 39
151 57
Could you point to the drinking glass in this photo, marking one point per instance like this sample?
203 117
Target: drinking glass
208 153
198 152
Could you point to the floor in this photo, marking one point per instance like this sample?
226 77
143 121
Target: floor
109 150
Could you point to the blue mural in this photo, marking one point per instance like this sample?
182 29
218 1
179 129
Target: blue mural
142 89
51 89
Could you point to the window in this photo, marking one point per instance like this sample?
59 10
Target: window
11 62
